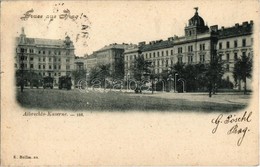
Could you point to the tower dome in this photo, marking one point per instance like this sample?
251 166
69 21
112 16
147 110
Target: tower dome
196 20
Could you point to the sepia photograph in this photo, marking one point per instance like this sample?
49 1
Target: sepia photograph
152 83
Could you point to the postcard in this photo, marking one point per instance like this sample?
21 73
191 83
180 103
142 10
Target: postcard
154 83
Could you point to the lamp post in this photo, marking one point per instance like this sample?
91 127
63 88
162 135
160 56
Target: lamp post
175 78
22 69
127 82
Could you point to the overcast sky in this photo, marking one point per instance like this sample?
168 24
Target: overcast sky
121 21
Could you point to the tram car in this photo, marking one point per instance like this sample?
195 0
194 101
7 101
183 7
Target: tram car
48 82
65 82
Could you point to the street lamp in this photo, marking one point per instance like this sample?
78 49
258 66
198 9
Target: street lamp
127 82
22 69
175 78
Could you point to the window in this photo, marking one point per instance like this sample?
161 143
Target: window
227 56
55 67
227 44
49 59
39 66
190 59
43 52
180 50
39 52
59 73
158 54
150 55
49 52
227 67
235 56
67 67
244 43
31 50
244 53
43 59
171 52
59 66
59 52
180 59
202 46
167 53
43 66
202 58
49 66
39 59
59 59
55 52
31 65
235 43
31 58
67 52
190 48
162 53
153 54
68 60
166 63
220 57
220 45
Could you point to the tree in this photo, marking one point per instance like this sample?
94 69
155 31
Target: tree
100 72
243 70
140 68
79 75
214 74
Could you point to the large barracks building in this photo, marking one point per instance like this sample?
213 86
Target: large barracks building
198 45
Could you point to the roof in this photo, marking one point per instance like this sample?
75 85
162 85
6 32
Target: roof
114 46
42 42
92 56
237 30
157 45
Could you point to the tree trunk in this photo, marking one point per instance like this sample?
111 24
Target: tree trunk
245 86
239 84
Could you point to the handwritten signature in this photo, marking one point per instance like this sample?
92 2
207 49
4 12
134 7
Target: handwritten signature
233 120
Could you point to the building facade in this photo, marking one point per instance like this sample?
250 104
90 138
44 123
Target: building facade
113 55
45 57
199 44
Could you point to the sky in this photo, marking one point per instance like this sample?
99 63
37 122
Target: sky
105 22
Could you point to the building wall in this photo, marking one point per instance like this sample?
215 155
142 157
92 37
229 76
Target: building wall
231 53
199 48
46 60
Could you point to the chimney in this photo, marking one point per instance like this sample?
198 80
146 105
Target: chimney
245 24
214 28
251 22
236 25
141 43
222 28
170 39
